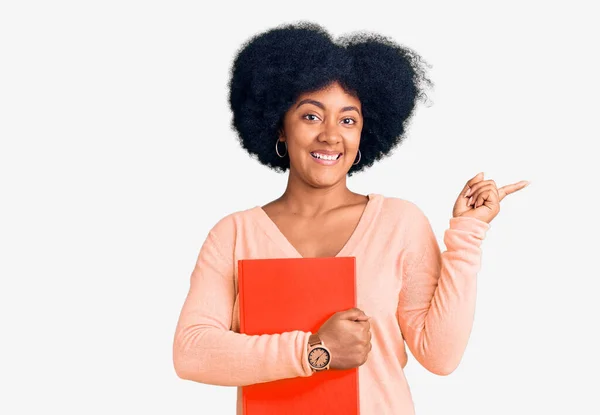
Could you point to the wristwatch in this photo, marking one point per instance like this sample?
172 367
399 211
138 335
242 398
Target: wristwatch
319 356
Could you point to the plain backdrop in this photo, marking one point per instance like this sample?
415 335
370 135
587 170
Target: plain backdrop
117 157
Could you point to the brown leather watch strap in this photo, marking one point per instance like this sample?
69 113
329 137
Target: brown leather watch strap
314 339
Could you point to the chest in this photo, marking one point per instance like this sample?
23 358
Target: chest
320 237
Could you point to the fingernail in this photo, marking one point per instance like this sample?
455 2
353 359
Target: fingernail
468 192
470 200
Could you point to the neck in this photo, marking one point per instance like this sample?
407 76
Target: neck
306 200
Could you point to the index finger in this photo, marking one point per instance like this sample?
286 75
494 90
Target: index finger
511 188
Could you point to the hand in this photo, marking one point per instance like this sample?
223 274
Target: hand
347 335
481 198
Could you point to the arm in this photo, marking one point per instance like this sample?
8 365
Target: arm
437 299
206 350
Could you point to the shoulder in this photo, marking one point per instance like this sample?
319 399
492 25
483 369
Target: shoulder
226 228
399 209
397 219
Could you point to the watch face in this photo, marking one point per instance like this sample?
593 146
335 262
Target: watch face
318 357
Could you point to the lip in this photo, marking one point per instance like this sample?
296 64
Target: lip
328 153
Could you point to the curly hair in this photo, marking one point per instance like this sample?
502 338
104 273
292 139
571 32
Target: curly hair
272 69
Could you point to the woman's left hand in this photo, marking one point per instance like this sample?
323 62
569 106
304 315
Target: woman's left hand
481 198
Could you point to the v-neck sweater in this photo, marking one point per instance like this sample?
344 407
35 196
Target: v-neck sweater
416 295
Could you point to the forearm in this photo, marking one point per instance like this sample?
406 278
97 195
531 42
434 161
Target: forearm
222 357
440 341
438 336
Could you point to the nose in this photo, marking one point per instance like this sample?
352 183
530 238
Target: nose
330 133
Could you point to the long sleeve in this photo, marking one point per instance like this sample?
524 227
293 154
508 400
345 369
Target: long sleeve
206 350
437 300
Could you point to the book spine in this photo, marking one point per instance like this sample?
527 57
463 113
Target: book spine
241 304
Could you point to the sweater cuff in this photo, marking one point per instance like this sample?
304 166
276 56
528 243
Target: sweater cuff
305 365
475 226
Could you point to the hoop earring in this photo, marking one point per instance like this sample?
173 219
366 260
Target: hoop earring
358 161
277 148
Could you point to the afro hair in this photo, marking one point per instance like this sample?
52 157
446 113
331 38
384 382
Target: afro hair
272 69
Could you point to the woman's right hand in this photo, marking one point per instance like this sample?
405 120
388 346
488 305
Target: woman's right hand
347 334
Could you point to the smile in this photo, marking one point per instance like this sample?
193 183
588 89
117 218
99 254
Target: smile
326 159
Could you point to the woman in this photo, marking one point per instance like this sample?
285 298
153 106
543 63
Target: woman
324 110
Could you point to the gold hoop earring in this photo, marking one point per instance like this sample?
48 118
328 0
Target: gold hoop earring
358 161
277 149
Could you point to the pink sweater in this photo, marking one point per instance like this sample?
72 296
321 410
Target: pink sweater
415 294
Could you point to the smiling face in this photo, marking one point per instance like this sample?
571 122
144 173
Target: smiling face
322 131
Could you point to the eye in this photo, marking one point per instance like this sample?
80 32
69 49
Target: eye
316 118
309 115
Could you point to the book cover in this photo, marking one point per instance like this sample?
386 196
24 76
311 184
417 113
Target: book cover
285 294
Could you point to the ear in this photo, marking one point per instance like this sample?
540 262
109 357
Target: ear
282 136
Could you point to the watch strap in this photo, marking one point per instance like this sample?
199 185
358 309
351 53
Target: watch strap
314 339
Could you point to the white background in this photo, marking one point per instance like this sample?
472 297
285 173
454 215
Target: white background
117 157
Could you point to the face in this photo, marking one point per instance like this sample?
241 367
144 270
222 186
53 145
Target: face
318 357
322 131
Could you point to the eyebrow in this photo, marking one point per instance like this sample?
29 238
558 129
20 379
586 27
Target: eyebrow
318 104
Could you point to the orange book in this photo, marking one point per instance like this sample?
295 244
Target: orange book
286 294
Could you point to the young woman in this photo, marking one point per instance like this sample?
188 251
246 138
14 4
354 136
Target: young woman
322 110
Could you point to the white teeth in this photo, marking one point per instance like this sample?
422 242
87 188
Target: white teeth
324 157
